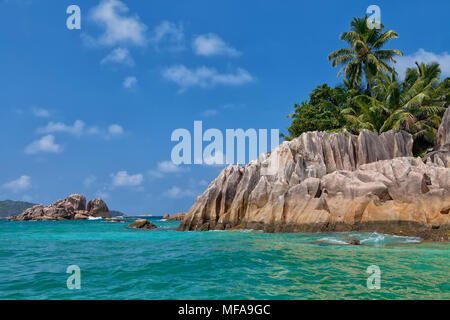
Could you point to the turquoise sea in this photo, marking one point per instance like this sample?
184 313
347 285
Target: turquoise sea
119 263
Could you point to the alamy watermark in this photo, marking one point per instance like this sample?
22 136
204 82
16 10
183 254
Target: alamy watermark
191 150
74 20
374 19
374 280
74 281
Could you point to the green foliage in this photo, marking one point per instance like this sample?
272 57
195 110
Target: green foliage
321 113
415 104
365 55
11 208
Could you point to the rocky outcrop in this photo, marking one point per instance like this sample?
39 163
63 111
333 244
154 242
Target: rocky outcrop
443 134
142 224
98 208
174 217
330 182
72 208
441 152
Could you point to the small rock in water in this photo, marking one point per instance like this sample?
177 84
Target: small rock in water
142 224
354 242
115 220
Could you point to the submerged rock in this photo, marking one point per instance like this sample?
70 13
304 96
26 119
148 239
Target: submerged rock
142 224
354 242
72 208
330 182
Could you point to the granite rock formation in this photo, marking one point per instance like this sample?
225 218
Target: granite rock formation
72 208
98 208
441 152
333 182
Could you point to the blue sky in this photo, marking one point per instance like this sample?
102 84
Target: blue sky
91 111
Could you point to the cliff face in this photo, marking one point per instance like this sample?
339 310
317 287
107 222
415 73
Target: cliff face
331 182
443 134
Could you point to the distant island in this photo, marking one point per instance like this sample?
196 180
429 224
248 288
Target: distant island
9 208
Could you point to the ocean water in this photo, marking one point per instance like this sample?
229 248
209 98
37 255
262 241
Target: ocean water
119 263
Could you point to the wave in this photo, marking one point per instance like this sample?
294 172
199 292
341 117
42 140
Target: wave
332 241
379 238
371 239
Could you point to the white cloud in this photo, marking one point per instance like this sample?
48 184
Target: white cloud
130 82
176 193
123 179
79 129
169 167
40 113
21 184
120 56
76 129
115 130
421 55
168 35
205 77
45 144
165 167
119 26
211 44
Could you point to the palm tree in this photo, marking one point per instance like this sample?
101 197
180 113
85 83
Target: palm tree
415 105
365 55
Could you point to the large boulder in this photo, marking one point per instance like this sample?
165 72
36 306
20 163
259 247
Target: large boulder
98 208
76 201
329 182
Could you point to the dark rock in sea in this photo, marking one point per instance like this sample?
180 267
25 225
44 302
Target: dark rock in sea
322 182
142 224
72 208
354 242
115 220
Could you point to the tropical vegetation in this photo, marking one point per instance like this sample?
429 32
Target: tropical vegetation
372 96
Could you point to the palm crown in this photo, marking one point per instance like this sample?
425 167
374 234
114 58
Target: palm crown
365 55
